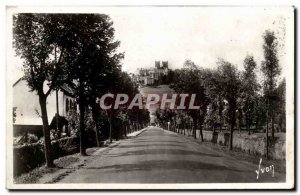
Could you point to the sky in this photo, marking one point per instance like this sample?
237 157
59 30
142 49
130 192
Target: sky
201 34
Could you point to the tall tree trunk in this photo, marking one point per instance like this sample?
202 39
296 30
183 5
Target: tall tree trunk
267 137
82 127
57 114
46 130
133 126
95 114
130 127
201 133
81 118
248 128
174 127
273 129
272 106
231 136
125 129
248 125
110 130
256 124
195 129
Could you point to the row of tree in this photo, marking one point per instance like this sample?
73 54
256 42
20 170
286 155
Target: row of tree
229 97
78 50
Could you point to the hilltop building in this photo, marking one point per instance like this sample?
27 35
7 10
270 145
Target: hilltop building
151 76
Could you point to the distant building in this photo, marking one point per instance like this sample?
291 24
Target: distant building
151 75
27 108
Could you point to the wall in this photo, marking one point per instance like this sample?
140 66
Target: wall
28 157
27 103
33 129
253 144
28 107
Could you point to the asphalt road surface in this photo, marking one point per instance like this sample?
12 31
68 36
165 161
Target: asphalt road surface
159 156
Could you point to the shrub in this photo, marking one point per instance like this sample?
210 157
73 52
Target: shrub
30 156
27 138
73 119
27 157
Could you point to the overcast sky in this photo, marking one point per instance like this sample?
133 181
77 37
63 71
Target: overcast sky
201 34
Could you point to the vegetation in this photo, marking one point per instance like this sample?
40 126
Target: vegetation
231 99
36 42
80 50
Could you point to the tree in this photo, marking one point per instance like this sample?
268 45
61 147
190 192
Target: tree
211 80
260 111
160 116
38 42
90 61
249 91
190 81
105 67
124 86
144 118
231 85
271 70
280 106
170 77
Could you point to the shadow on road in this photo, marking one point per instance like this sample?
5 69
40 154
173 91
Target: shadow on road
162 152
164 164
155 142
147 145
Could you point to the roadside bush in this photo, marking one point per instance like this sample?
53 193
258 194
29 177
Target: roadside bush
73 119
65 146
74 125
27 138
30 156
27 157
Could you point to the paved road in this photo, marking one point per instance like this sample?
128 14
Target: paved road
159 156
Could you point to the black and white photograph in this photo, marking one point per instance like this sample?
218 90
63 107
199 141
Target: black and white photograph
150 97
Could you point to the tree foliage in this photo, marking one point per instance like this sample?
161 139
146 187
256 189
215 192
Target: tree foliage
271 70
249 91
37 42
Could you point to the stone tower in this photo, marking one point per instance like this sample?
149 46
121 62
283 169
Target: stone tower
165 64
157 64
